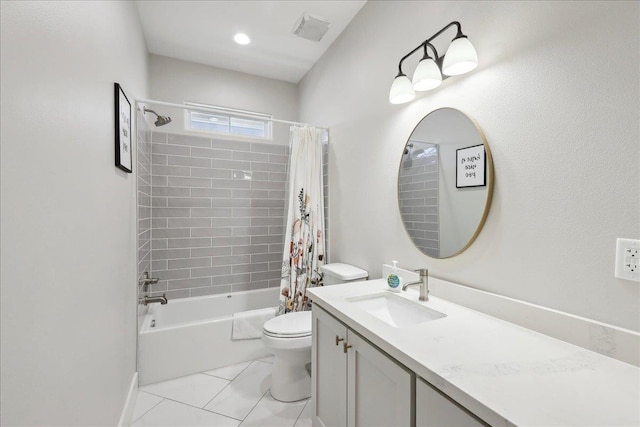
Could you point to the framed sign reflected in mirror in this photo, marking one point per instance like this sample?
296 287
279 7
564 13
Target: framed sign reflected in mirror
124 157
471 167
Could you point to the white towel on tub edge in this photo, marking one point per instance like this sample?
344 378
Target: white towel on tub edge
248 324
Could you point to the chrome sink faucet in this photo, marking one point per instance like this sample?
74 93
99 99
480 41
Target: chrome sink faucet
423 282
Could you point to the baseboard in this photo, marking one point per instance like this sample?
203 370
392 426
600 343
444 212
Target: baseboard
127 410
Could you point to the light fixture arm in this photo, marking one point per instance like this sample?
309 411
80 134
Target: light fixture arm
446 27
428 41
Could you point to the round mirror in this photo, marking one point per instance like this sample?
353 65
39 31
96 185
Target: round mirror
445 183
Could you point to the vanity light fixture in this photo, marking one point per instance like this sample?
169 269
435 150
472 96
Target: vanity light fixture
461 57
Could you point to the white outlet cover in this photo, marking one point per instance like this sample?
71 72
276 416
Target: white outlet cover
628 259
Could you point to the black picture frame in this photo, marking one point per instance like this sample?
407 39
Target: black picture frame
123 139
475 158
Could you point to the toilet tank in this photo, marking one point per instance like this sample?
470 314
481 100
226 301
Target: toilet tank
338 272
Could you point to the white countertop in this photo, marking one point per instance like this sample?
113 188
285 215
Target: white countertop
503 373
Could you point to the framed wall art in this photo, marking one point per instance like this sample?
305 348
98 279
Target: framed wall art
471 168
124 157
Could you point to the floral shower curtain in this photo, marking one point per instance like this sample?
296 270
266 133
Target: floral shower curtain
304 234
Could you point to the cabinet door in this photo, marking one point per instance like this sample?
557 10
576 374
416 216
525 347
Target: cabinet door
379 389
433 409
329 371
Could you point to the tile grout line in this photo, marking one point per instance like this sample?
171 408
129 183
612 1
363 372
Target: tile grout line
259 400
149 410
254 406
300 414
230 381
192 406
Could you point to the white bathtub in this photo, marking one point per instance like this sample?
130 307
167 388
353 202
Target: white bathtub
191 335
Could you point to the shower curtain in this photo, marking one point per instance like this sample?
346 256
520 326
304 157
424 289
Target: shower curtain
304 234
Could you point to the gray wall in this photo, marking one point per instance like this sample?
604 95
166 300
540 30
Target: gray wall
224 265
68 237
563 127
218 214
418 179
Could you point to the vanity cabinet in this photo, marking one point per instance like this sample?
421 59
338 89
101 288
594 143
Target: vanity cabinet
354 383
433 409
328 371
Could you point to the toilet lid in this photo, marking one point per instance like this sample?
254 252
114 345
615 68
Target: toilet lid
344 271
290 324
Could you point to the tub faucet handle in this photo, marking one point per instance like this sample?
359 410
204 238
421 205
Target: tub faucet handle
146 280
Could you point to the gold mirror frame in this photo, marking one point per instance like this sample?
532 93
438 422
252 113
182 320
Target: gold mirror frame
490 184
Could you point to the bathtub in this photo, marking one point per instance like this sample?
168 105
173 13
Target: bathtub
190 335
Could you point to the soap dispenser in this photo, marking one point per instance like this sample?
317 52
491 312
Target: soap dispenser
394 280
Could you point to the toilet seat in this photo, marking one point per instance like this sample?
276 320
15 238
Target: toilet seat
289 326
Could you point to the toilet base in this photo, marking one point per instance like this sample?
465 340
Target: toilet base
290 380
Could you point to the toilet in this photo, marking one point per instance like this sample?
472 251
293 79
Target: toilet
288 338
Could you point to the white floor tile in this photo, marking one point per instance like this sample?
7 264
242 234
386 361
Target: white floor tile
268 359
244 392
144 402
194 390
304 420
169 413
229 372
269 412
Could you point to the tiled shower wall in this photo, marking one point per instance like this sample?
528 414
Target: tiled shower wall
218 211
143 174
418 196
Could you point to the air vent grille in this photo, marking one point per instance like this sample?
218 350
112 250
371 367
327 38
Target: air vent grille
311 27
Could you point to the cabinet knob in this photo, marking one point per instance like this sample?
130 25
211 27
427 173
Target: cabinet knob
338 339
345 346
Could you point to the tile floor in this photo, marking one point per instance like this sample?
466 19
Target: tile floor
236 395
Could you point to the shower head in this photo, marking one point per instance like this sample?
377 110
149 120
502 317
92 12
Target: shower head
161 120
408 147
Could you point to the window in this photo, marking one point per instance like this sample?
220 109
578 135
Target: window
228 121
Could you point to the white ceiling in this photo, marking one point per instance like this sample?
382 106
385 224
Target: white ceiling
202 32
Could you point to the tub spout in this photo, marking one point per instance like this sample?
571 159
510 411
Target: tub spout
150 300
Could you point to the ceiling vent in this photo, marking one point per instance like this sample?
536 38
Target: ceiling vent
311 27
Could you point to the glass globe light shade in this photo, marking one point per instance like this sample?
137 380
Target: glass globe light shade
401 90
427 75
461 57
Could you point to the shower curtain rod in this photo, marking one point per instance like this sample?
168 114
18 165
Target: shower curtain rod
219 110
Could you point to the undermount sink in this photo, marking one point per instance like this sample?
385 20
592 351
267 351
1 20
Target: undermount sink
395 310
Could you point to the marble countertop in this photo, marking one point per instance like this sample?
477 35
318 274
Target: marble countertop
505 374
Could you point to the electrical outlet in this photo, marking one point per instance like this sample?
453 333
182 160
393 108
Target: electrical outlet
628 259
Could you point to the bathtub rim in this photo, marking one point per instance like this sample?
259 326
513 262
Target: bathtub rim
149 316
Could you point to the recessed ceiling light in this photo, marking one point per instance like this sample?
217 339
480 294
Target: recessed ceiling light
242 38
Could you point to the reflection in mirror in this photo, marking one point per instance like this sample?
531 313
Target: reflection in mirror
444 186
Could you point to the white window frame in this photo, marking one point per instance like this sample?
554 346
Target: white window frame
231 113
